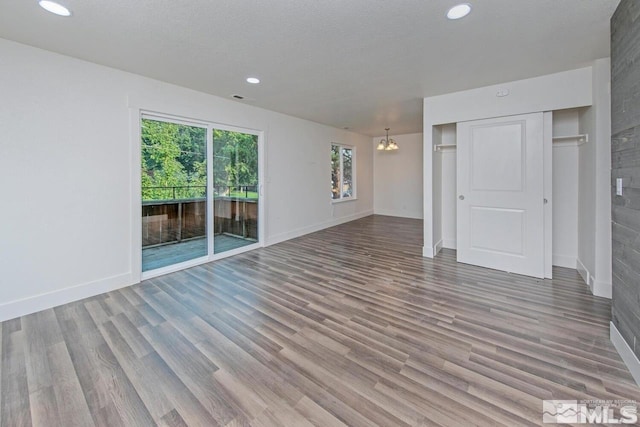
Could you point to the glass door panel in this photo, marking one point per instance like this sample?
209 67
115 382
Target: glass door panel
235 190
174 193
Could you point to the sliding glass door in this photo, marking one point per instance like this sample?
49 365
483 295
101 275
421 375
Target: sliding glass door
174 192
200 192
235 190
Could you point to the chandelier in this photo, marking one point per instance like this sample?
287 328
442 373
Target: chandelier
387 144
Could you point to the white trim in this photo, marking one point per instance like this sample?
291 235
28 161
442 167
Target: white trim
450 244
547 133
399 214
209 200
288 235
343 200
24 306
262 190
628 356
135 120
566 261
584 273
437 247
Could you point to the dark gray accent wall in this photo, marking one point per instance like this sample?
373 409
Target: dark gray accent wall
625 164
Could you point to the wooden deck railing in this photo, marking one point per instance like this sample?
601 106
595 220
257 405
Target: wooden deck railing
175 220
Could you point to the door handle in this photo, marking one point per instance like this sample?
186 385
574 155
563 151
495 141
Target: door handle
461 197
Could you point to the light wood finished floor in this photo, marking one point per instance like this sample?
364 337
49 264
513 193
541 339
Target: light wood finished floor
347 326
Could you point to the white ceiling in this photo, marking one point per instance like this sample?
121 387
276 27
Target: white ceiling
362 64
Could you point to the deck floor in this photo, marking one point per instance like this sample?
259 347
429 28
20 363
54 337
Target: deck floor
162 256
346 326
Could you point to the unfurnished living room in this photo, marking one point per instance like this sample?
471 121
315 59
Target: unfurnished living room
304 213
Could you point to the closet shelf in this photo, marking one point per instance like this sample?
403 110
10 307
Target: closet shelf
439 147
559 140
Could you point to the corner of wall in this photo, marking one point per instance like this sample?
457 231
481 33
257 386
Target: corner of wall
602 288
292 234
427 252
584 273
566 261
437 247
598 287
449 243
427 189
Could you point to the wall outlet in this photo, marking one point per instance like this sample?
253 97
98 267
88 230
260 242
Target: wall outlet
619 187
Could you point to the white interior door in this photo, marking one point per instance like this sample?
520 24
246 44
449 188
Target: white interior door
500 222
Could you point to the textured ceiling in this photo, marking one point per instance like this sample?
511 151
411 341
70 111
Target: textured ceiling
362 64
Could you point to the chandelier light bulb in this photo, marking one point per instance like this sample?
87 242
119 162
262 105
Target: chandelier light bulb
387 144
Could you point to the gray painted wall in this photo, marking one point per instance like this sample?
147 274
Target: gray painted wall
625 164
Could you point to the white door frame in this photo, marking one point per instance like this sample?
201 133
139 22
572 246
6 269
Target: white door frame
547 141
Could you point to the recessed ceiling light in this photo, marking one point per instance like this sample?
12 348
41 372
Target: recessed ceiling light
54 7
253 80
459 11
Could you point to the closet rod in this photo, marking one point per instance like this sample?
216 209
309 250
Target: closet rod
584 137
438 147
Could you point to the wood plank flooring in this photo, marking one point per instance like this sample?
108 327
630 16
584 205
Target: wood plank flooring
346 326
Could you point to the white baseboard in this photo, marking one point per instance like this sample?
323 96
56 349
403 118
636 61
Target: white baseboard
628 356
288 235
400 214
22 307
437 247
449 243
565 261
584 273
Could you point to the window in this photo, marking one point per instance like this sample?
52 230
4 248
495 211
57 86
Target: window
343 172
